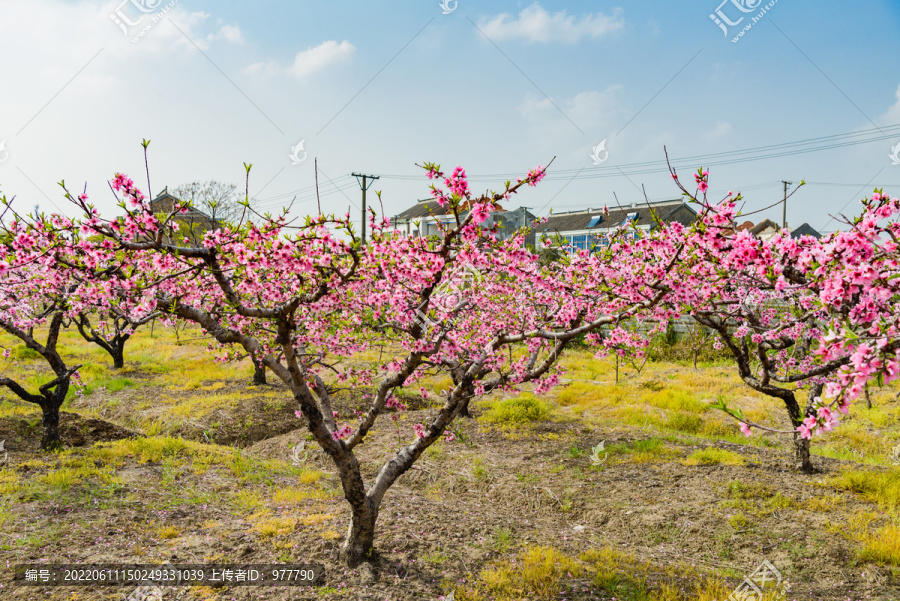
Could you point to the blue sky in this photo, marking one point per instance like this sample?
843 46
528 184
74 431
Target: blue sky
497 87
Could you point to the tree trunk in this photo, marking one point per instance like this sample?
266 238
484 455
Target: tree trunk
118 355
464 404
259 374
801 445
360 542
801 454
50 440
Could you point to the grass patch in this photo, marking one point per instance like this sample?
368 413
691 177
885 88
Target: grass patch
674 399
823 504
737 489
521 409
739 521
168 532
714 456
546 573
269 527
298 496
643 451
684 422
881 488
537 574
882 546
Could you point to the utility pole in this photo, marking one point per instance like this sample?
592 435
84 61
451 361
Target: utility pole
365 186
525 224
784 206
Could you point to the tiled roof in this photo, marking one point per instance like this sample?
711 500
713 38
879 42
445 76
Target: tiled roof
667 211
763 226
423 208
805 230
170 199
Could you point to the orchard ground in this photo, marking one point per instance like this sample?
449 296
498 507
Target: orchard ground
178 458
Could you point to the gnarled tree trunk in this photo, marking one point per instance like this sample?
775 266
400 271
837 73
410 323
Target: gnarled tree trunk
259 374
117 352
802 460
360 542
801 454
50 440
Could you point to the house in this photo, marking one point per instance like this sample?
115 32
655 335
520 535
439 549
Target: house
586 228
805 230
767 228
195 219
425 217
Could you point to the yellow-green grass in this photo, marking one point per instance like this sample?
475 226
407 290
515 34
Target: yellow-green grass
651 450
879 487
545 573
882 545
714 456
517 410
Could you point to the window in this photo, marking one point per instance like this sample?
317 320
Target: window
599 240
595 221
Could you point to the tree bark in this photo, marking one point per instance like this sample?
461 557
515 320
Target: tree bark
359 545
50 440
801 454
464 403
259 374
802 459
118 354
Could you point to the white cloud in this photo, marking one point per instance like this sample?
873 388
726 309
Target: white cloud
170 26
229 33
722 128
588 110
309 61
534 24
892 117
193 25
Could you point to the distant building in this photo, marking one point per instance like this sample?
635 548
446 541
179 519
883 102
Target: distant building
425 217
198 221
805 230
767 228
586 228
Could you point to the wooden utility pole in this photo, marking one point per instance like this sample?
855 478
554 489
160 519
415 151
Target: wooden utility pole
784 206
365 186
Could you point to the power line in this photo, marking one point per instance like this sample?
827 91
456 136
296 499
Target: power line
757 153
